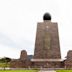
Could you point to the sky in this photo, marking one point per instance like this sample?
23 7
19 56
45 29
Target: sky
18 23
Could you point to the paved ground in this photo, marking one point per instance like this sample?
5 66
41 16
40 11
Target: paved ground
47 71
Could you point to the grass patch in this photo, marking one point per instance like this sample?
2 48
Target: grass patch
4 65
64 71
32 70
18 71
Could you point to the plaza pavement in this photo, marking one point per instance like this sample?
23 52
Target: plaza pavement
47 71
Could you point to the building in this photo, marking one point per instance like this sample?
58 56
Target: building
47 48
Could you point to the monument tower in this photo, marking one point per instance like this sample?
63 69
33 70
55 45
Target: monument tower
47 47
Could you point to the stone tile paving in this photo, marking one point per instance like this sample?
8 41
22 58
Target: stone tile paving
47 71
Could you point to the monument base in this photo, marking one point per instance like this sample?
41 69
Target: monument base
47 63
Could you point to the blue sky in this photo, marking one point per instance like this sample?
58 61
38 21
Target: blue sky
18 23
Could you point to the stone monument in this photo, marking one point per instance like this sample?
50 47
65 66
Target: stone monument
47 40
47 47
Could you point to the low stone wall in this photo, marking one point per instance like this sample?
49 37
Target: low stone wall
19 63
47 64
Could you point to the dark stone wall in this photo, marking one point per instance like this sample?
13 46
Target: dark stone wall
68 61
20 63
23 55
23 62
47 64
47 41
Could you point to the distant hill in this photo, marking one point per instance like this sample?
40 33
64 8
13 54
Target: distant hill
30 56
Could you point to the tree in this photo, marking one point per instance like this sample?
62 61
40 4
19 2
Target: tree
5 61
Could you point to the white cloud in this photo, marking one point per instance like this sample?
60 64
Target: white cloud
18 21
9 52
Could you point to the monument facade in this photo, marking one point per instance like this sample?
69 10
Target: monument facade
47 40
